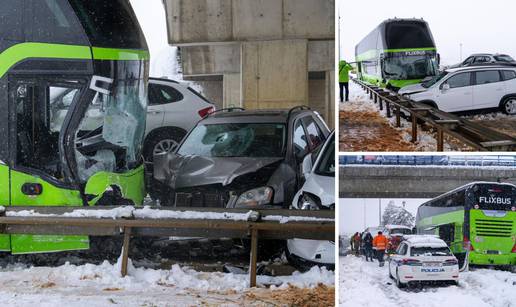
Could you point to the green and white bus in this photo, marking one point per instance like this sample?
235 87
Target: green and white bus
73 95
398 52
479 216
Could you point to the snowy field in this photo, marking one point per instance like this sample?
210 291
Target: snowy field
102 285
365 284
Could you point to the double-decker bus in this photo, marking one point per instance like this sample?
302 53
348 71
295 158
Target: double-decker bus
479 216
398 52
73 95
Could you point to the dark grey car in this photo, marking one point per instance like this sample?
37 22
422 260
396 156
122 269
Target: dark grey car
240 159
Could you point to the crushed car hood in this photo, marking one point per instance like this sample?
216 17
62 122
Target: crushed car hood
412 89
187 171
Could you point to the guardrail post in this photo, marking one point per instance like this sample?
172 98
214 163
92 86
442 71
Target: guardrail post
254 257
414 129
125 250
370 93
398 116
388 108
440 139
381 104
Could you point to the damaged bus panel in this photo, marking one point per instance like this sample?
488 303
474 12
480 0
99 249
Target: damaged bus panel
73 84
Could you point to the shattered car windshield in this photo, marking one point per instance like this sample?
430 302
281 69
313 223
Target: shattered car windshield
110 135
410 67
430 251
235 140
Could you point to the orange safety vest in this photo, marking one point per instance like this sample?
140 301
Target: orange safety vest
380 242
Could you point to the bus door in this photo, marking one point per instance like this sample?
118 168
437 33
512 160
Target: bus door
38 109
447 233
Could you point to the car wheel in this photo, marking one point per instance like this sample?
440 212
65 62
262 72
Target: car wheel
399 284
161 142
456 282
509 106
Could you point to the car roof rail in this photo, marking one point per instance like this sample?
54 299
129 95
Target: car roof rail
302 107
226 110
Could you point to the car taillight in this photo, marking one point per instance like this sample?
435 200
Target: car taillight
412 262
450 262
205 112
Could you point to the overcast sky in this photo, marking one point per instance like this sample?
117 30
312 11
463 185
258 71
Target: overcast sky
356 214
487 26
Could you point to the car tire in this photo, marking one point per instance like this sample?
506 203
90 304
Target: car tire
399 284
456 283
508 105
161 141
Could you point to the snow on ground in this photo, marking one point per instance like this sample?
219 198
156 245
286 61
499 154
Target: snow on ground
102 285
426 140
365 284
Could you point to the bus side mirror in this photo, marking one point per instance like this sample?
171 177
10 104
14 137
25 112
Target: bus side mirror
101 84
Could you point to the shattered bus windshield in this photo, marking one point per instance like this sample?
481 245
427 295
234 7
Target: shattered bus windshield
110 135
235 140
410 67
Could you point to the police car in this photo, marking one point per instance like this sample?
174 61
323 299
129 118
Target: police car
423 258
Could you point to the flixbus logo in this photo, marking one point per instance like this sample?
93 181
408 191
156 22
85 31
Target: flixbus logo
495 200
415 52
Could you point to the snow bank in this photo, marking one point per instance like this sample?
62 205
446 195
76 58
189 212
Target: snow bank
150 213
285 219
367 285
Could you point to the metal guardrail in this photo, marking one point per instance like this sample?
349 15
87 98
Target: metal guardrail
472 134
257 226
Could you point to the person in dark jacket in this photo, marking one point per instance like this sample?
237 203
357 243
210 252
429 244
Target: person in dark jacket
357 241
368 246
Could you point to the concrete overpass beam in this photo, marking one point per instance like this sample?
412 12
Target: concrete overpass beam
210 59
194 21
232 91
274 74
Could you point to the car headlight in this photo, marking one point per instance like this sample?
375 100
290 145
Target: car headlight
308 203
255 197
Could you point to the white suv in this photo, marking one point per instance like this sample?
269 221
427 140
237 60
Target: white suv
174 109
468 88
317 193
423 258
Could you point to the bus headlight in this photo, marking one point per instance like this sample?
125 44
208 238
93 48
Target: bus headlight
255 197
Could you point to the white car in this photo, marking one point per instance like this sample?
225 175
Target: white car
468 88
317 193
423 258
173 110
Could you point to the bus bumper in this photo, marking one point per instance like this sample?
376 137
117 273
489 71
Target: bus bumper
488 259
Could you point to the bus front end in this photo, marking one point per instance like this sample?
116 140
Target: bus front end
408 66
492 231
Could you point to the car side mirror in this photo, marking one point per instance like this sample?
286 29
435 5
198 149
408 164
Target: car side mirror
445 87
306 166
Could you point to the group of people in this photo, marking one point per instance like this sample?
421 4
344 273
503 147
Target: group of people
368 243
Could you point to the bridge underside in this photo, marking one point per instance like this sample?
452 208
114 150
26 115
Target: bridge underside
359 181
